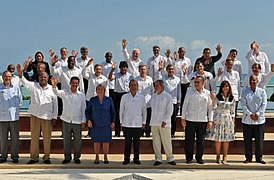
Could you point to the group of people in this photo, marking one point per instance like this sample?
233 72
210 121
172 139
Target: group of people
139 99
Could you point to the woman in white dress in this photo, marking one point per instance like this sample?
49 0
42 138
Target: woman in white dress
223 121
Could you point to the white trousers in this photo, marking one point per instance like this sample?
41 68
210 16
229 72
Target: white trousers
162 136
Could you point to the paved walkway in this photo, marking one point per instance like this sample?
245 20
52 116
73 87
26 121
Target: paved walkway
127 174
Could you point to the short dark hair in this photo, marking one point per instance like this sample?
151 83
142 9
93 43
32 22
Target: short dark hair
256 64
198 63
70 57
133 80
123 64
83 49
5 73
74 78
63 48
96 65
168 66
206 49
156 46
233 50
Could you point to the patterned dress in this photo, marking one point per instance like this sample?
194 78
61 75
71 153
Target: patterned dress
223 128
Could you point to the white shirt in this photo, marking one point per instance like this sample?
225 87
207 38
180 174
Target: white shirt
61 63
64 74
106 70
254 102
93 82
10 100
81 63
133 66
173 87
161 109
122 82
146 88
261 59
43 102
237 66
208 77
178 63
234 79
197 106
153 66
74 106
262 80
133 112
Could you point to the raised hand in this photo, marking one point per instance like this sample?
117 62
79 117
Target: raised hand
54 82
54 60
218 48
89 62
19 70
74 53
175 55
124 43
114 65
184 69
161 65
51 53
167 53
220 72
29 59
25 65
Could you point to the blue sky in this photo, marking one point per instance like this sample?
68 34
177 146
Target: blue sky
30 25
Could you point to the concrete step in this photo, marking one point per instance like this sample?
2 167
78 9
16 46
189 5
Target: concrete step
117 145
147 160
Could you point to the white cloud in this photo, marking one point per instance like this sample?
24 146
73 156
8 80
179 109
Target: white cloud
198 44
165 42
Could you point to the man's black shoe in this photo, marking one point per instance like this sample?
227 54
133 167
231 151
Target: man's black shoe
136 162
65 161
125 162
32 161
200 161
47 161
188 161
247 161
172 163
157 163
261 161
3 160
77 161
15 161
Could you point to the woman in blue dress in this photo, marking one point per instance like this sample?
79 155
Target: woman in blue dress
100 115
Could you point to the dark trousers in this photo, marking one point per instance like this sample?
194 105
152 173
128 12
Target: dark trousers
183 94
132 135
256 132
192 128
85 85
173 119
111 93
76 129
147 129
117 100
13 128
